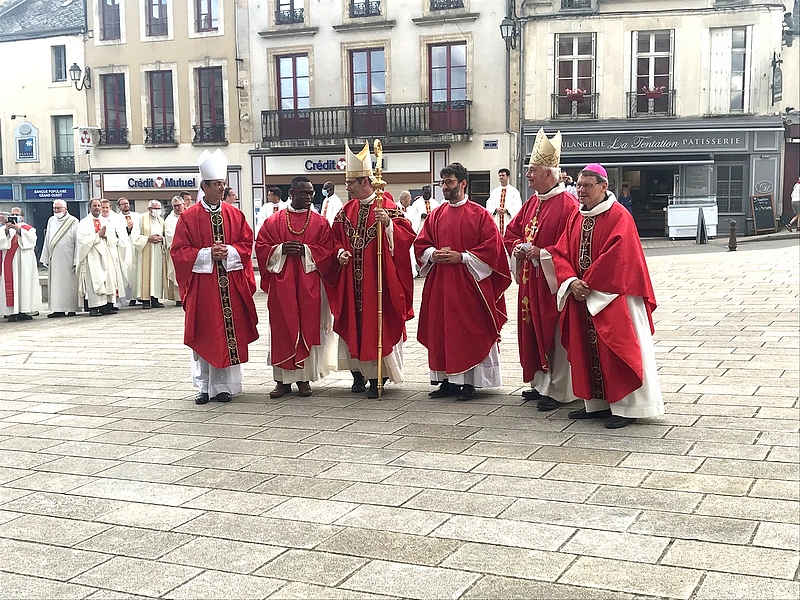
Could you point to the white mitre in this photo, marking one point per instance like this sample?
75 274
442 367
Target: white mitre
358 165
546 152
213 166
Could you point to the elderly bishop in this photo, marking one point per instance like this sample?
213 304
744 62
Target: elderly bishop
60 256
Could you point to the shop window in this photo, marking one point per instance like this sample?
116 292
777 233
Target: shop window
448 87
162 109
575 74
115 120
64 145
730 70
289 11
730 188
294 95
206 15
156 18
109 20
210 125
59 54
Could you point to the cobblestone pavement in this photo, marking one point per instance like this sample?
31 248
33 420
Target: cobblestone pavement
113 484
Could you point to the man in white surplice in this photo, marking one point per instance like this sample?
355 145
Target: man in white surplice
20 276
170 222
99 277
126 219
60 256
151 258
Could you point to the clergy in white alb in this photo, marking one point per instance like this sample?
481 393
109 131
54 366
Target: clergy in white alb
60 256
170 222
20 276
127 253
151 274
504 202
420 209
332 204
98 273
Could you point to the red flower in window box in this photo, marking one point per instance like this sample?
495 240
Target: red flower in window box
653 93
575 95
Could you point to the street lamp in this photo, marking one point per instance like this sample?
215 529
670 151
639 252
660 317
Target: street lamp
508 30
81 79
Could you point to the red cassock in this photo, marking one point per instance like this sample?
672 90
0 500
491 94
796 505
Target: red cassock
541 223
611 261
220 315
293 296
355 300
460 318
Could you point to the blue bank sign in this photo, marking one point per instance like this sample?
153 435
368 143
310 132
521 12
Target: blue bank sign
50 192
6 192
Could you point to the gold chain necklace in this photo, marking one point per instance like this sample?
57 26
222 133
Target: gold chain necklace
303 230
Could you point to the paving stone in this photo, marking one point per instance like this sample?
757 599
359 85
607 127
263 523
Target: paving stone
223 555
150 516
302 591
744 587
376 493
622 444
778 535
783 511
151 472
596 474
398 547
214 584
47 482
745 560
235 502
772 488
581 456
410 581
22 586
373 456
464 503
501 450
50 530
646 499
719 450
507 466
302 487
134 542
696 527
310 510
387 518
349 438
571 514
43 560
360 472
506 588
513 562
691 482
504 532
615 545
522 487
136 576
636 578
133 491
57 505
311 567
77 465
290 466
225 480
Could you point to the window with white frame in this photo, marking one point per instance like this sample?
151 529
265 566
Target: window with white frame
110 20
206 15
59 63
575 66
653 60
729 89
156 18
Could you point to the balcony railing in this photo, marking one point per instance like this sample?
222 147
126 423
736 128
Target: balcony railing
63 164
114 136
162 134
369 8
209 134
568 4
388 120
574 107
291 15
446 4
651 104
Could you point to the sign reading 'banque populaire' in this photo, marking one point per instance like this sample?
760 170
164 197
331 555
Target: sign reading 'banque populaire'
638 142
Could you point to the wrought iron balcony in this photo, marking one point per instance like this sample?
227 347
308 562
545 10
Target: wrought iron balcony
446 4
161 134
114 136
581 106
289 16
365 8
430 120
652 103
209 134
63 164
573 4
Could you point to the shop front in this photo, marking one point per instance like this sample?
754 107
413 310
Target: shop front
140 186
673 169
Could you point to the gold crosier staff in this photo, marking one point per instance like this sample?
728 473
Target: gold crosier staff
378 184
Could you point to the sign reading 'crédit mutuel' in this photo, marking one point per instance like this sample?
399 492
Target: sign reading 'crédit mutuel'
638 142
154 181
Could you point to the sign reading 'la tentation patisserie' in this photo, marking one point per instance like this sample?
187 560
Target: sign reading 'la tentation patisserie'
638 142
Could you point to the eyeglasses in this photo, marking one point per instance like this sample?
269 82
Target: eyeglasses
448 182
585 185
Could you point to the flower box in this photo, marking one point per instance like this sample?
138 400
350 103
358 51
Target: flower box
653 93
576 95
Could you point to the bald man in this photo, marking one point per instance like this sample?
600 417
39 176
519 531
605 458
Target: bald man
60 256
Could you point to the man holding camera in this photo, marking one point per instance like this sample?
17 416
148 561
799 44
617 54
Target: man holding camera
20 276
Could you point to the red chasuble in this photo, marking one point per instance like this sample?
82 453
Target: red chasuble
355 301
220 315
603 351
460 318
541 223
293 296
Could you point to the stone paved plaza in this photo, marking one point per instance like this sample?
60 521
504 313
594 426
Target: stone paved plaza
113 484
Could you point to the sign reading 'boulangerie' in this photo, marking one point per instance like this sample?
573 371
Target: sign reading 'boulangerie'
678 142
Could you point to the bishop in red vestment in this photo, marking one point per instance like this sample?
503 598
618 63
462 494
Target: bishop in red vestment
463 306
607 299
529 239
289 247
355 303
211 252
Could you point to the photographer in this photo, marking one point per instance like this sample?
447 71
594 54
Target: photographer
20 277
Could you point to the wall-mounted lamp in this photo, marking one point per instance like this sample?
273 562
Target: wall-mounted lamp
508 31
18 117
791 28
81 78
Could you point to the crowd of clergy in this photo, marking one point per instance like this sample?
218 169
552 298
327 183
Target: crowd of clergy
339 282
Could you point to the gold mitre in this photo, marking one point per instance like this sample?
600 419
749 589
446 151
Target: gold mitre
358 165
546 152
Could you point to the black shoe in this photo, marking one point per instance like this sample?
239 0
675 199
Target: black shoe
201 399
372 390
617 422
12 318
467 392
178 303
95 312
445 390
358 383
56 315
132 303
156 304
531 394
222 397
546 403
23 317
146 305
70 314
106 310
582 414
